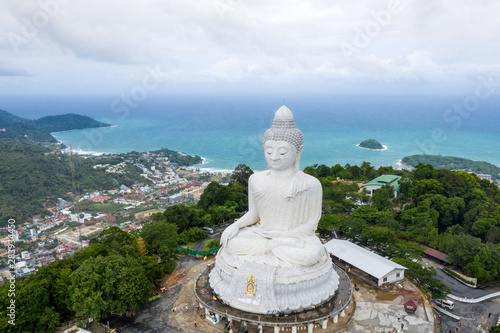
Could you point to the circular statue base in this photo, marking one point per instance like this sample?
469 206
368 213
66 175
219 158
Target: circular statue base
331 308
265 289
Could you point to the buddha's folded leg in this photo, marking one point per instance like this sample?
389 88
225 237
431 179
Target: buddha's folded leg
308 255
247 243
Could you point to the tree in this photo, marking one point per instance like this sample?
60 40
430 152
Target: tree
424 188
405 184
494 329
425 277
336 170
184 216
450 210
33 310
368 213
104 284
456 183
141 248
162 237
381 198
367 170
155 270
55 279
219 195
353 227
424 171
376 235
461 249
241 174
330 221
192 235
486 266
114 234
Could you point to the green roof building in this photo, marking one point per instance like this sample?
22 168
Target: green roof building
378 182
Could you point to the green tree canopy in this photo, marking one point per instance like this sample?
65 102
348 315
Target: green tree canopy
241 174
425 277
104 284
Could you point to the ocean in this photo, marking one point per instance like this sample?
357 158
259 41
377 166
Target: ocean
227 130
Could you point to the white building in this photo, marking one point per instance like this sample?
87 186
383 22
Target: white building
376 268
20 265
15 235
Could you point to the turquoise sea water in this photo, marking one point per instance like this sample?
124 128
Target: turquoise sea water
227 130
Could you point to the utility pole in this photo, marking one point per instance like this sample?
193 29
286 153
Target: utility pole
75 194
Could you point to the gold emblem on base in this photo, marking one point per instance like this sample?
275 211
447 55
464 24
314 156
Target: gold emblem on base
250 287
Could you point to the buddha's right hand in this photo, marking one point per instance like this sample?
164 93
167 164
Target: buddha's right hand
229 233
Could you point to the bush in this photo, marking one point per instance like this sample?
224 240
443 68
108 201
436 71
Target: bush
170 267
211 244
192 235
449 271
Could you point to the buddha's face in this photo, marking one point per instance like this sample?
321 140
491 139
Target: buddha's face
280 155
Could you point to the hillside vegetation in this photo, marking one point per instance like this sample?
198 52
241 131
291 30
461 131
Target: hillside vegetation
454 163
14 128
32 175
67 122
452 211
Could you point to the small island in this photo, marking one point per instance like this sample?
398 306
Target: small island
372 144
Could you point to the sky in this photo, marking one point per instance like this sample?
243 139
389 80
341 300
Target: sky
235 46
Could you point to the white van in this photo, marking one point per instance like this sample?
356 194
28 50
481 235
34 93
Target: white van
444 303
209 230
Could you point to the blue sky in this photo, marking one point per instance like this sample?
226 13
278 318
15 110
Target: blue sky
259 46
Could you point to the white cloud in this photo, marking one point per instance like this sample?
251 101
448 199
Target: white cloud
249 42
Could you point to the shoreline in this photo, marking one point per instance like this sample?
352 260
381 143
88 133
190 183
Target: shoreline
205 161
80 129
384 148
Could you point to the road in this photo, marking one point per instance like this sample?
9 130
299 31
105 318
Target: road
199 246
471 314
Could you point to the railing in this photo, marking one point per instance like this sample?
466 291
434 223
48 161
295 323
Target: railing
195 252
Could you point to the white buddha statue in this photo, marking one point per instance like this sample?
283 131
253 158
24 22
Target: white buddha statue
284 205
271 260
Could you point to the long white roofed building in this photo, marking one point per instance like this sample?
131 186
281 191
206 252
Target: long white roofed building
375 268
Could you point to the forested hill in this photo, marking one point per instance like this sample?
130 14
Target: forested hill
32 175
454 163
14 128
67 122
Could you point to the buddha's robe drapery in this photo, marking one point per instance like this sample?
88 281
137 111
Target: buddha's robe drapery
288 209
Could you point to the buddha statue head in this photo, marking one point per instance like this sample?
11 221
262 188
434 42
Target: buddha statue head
283 142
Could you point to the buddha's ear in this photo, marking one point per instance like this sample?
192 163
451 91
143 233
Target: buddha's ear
296 165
